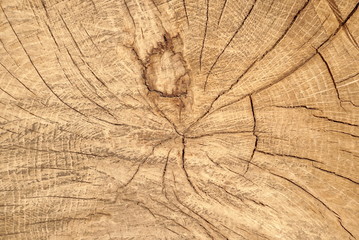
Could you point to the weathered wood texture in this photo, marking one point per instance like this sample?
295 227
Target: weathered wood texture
179 119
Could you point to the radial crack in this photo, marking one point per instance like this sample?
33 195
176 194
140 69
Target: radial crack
204 36
228 43
185 10
254 133
183 158
222 10
336 174
336 121
288 155
165 171
331 77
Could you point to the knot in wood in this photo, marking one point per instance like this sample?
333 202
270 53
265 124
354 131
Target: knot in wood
166 71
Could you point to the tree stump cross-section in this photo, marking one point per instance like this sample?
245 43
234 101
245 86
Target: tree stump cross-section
179 119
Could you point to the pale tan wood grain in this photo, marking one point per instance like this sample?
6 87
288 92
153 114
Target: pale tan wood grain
179 119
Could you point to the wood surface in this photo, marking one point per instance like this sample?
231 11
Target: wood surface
179 119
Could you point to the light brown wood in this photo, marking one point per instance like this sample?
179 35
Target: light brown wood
179 119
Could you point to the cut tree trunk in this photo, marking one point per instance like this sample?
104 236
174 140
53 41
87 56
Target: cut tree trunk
179 119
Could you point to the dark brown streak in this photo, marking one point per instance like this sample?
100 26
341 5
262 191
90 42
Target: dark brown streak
153 2
185 10
296 107
8 94
204 36
183 157
172 231
225 190
254 133
336 121
94 5
228 169
215 163
350 102
331 76
71 197
217 133
348 78
7 120
235 232
7 130
222 10
33 114
242 175
94 102
141 204
53 37
288 155
336 174
345 133
129 12
335 10
313 35
165 171
341 224
229 42
351 153
44 6
72 37
242 199
351 37
177 223
204 114
163 94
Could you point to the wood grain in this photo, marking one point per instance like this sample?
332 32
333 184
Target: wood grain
179 119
